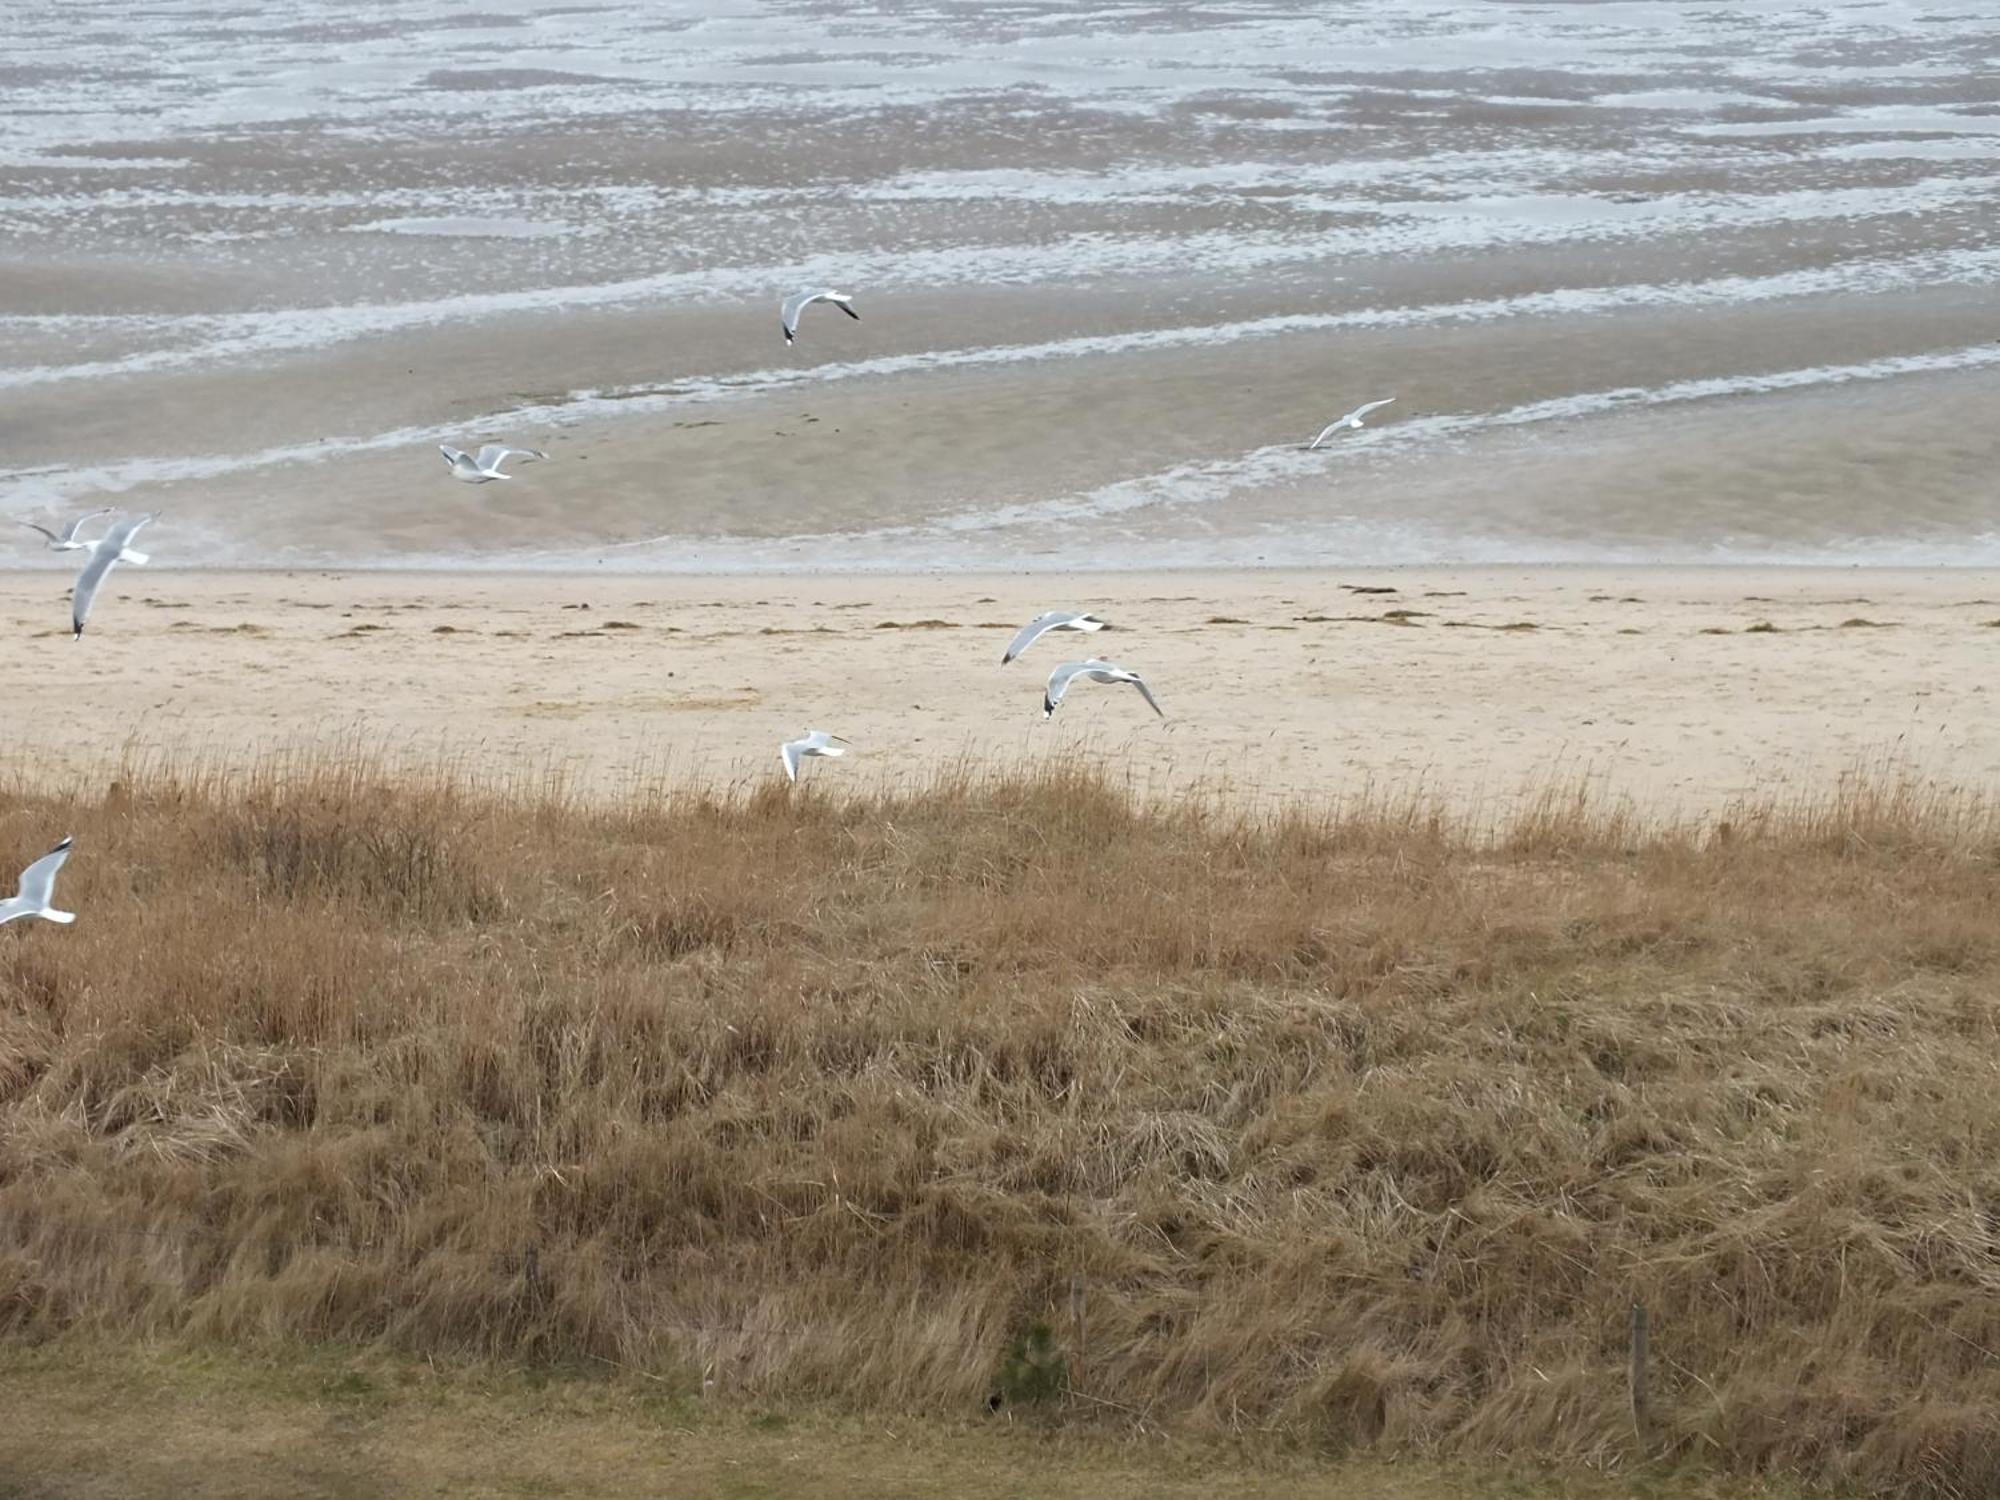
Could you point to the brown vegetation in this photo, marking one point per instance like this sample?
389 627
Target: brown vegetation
1353 1126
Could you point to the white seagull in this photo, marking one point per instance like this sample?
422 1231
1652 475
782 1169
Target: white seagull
798 302
816 742
112 549
65 540
1352 419
38 888
1054 619
1094 670
485 465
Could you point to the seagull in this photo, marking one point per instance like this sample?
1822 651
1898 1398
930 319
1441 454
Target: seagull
798 302
38 887
1054 619
110 550
486 465
1094 670
816 742
1352 419
65 540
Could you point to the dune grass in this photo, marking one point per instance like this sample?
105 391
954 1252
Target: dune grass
1352 1128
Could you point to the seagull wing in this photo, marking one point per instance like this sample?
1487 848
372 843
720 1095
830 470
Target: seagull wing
789 310
119 537
1326 432
789 753
1363 410
494 454
1059 681
54 540
798 302
102 560
89 580
1145 692
70 531
38 881
1029 634
452 456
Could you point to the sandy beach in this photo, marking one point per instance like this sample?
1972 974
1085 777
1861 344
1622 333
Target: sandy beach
1679 688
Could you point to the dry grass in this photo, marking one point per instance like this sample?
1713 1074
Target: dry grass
1359 1128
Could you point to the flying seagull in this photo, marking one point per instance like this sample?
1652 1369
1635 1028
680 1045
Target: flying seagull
485 465
65 540
816 742
104 554
1094 670
1352 419
798 302
38 888
1054 619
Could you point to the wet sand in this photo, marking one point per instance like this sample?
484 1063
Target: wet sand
1680 688
1649 284
1181 456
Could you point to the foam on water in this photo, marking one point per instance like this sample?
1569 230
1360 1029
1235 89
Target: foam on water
166 67
470 228
1409 228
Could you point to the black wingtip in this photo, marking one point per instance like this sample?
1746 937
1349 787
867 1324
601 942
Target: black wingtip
849 311
68 839
1048 707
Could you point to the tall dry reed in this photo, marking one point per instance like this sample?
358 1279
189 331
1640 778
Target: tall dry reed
1354 1126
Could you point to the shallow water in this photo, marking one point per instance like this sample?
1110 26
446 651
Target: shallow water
1647 279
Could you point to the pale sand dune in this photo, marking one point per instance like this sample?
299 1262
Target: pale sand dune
1650 681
